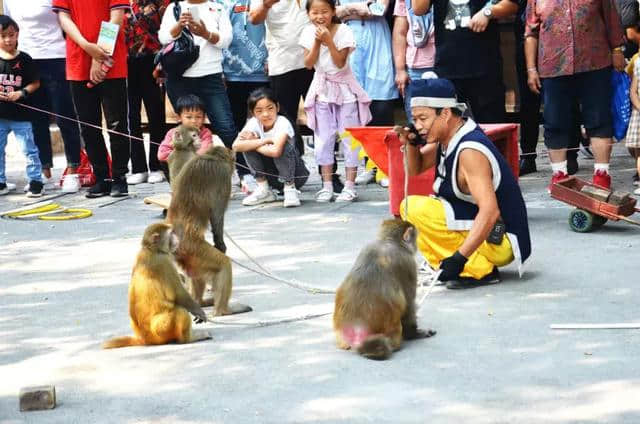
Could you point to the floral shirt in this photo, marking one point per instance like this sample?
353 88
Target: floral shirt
573 35
142 21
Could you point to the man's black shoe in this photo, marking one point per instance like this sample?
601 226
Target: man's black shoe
469 283
119 188
527 166
572 164
636 179
99 189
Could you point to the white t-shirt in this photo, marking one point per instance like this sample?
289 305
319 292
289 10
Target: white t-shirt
343 38
216 19
40 34
284 24
282 125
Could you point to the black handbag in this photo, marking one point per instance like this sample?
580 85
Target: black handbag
178 55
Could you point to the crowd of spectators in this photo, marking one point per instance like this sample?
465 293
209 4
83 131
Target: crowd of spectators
565 53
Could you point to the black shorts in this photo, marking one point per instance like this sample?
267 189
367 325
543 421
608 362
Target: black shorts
592 90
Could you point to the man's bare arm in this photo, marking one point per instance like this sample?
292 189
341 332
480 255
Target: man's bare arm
475 170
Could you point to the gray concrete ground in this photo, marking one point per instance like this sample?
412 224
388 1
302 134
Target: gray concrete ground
63 290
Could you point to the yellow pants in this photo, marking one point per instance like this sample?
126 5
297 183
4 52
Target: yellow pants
437 242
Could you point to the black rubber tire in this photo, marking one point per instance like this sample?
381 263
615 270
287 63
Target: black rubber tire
599 221
581 221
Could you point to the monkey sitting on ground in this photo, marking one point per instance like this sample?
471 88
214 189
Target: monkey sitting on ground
200 199
186 142
159 305
375 304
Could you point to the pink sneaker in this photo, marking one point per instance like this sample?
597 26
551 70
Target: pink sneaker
602 179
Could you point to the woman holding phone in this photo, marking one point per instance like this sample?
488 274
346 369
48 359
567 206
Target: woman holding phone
211 28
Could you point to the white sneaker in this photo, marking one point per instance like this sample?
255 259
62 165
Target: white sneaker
235 179
259 196
291 199
10 186
324 195
71 183
384 182
140 177
347 195
155 177
365 177
4 189
636 191
249 184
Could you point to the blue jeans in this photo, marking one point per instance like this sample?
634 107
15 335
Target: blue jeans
414 75
211 90
24 136
54 95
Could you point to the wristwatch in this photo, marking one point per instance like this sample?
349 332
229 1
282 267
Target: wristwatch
487 12
25 93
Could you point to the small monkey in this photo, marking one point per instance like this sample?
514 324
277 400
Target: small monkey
159 305
199 200
375 304
186 142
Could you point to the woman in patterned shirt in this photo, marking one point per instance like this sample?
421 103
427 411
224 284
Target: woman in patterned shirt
570 47
142 21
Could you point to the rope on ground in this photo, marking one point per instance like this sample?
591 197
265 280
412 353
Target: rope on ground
270 323
265 272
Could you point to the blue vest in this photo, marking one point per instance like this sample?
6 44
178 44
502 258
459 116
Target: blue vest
460 208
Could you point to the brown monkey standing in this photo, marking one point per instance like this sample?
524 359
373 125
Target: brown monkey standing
375 304
200 199
159 305
186 142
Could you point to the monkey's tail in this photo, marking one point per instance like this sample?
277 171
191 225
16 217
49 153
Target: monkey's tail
376 346
122 342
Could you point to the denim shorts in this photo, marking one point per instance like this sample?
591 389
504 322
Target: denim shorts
592 90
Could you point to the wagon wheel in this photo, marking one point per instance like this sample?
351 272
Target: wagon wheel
581 221
599 221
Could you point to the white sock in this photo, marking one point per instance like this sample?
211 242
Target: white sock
559 167
327 185
351 185
601 167
263 185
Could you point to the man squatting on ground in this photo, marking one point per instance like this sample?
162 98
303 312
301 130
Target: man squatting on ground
474 190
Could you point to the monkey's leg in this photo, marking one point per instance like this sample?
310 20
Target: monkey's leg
222 286
198 285
410 330
396 337
217 230
182 328
211 265
162 328
340 342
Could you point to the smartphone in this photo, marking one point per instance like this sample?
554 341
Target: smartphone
194 13
418 140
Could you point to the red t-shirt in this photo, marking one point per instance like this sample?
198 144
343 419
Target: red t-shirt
88 15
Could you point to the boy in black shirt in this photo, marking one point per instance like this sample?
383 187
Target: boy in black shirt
18 80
